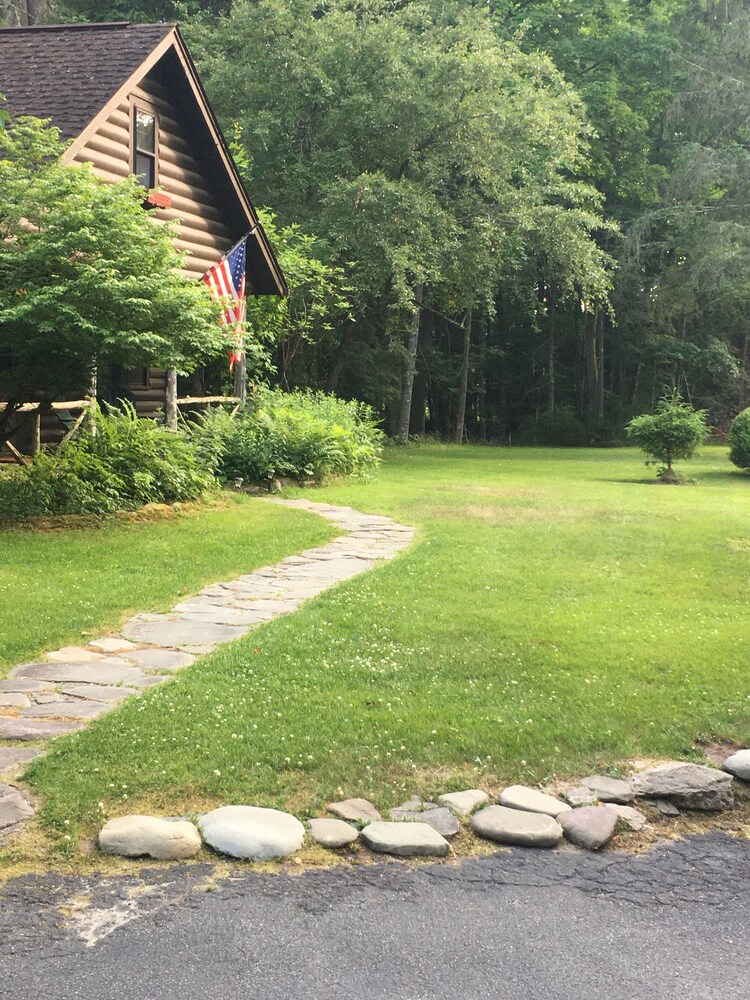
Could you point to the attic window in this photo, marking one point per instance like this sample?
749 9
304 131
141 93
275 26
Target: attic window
145 130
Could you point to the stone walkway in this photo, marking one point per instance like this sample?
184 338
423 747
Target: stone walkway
40 701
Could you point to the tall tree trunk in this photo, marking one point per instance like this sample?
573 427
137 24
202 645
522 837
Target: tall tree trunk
552 324
422 377
590 363
334 375
600 367
464 381
482 390
407 384
170 400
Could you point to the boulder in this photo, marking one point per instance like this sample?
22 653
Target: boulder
464 803
136 836
581 796
609 789
531 800
252 832
355 810
689 786
406 840
590 827
738 765
513 826
332 832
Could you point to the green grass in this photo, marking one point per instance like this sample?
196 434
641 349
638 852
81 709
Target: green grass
61 586
558 612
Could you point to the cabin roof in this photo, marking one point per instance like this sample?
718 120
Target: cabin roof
74 73
69 72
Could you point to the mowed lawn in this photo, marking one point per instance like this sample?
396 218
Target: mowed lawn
65 586
558 612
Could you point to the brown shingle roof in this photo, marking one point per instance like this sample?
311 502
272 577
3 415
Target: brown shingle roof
68 72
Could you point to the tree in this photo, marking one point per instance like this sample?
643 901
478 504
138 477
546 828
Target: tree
87 278
674 431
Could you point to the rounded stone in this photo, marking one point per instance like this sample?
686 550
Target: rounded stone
513 826
439 818
355 810
332 832
632 818
738 765
136 836
590 827
405 839
252 832
531 800
581 796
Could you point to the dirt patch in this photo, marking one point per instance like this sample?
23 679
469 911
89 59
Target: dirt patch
718 751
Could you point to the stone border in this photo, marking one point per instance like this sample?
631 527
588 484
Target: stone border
40 701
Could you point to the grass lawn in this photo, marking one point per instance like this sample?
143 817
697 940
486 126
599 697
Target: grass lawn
558 612
58 587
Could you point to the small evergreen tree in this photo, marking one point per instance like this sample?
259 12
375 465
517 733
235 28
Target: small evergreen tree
739 440
674 431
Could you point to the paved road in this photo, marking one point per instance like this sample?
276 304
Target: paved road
527 925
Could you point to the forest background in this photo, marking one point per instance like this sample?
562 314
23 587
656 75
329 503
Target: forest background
500 221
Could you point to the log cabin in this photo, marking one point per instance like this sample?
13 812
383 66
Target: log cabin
129 99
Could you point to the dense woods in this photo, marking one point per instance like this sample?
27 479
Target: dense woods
508 220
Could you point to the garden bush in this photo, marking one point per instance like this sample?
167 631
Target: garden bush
126 463
561 428
739 440
674 430
298 435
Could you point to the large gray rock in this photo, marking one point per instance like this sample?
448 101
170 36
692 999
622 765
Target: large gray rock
252 832
590 827
34 729
610 789
406 840
531 800
14 809
512 826
465 802
355 810
738 765
439 818
332 832
136 836
690 786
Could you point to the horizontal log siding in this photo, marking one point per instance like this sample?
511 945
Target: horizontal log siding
202 232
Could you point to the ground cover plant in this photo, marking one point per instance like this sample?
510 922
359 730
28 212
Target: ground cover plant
556 614
297 435
62 586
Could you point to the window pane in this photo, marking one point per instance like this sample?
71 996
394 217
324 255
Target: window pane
144 170
145 131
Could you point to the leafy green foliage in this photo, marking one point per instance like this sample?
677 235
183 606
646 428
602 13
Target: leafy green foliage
299 435
562 428
739 440
125 463
674 431
86 278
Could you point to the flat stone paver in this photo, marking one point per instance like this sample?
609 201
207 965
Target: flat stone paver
14 809
43 700
11 758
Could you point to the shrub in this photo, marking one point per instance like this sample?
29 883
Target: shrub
299 435
674 431
739 440
127 463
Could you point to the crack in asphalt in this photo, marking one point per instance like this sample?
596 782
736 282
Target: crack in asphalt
54 914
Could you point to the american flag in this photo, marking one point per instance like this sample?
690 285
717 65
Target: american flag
226 279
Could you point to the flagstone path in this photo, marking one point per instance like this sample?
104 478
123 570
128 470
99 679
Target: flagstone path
73 685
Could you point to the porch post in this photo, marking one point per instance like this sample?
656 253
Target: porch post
170 403
240 379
